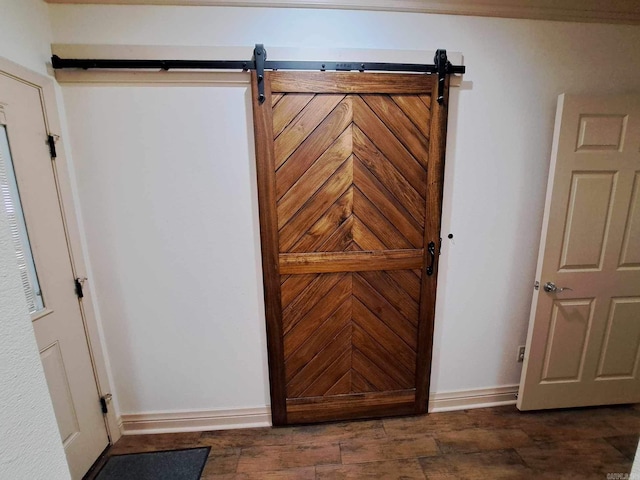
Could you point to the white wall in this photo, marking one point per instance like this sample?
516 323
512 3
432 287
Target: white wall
25 33
500 127
167 189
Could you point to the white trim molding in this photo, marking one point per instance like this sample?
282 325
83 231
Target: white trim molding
200 421
612 11
478 398
195 421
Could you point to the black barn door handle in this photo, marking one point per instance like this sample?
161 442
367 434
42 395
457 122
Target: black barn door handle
431 248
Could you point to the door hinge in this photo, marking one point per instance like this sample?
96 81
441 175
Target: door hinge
51 140
103 402
78 282
521 352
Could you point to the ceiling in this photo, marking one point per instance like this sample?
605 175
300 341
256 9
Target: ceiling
604 11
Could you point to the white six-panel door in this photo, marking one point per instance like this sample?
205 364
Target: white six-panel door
583 345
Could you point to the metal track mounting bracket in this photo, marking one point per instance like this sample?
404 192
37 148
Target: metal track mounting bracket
259 57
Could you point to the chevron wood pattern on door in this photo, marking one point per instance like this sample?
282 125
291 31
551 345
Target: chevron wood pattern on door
345 178
347 333
339 190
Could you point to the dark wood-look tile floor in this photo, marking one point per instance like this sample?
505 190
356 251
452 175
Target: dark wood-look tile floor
491 443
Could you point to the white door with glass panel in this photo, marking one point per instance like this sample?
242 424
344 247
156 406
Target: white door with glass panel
583 346
29 196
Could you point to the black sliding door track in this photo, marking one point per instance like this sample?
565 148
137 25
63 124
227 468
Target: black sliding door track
259 63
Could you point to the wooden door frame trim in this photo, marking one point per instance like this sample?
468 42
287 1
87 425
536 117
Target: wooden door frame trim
46 88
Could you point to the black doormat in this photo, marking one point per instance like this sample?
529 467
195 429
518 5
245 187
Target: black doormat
184 464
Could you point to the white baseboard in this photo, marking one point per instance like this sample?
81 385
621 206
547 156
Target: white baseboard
478 398
195 421
199 421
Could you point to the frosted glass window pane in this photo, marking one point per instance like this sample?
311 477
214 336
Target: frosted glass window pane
10 198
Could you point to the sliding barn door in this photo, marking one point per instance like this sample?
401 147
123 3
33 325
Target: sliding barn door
350 169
